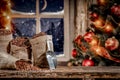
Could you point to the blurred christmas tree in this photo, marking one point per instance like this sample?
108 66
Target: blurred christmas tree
100 45
5 15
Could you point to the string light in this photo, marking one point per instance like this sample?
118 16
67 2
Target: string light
108 25
7 17
98 50
99 23
108 28
94 42
7 28
9 4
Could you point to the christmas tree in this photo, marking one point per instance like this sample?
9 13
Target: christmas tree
5 15
100 45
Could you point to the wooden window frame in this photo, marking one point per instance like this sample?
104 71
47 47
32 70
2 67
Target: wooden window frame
68 26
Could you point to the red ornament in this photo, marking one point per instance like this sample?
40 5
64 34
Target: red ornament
74 53
88 62
94 15
111 43
88 36
83 48
115 9
78 39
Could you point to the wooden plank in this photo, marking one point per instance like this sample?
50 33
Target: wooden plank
65 72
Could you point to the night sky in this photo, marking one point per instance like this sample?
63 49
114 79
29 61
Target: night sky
26 27
29 5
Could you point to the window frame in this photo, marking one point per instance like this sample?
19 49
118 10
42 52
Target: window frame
68 25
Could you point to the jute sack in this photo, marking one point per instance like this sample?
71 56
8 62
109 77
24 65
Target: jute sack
7 61
19 49
20 52
39 49
5 37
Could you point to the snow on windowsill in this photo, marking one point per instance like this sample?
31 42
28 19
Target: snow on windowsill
32 13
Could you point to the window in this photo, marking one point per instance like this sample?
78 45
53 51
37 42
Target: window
50 16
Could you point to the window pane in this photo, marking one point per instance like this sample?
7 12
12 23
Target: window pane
54 27
51 5
24 27
20 6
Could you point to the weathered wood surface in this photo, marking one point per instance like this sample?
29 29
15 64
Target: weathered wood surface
65 72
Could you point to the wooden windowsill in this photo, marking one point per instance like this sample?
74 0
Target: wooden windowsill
65 72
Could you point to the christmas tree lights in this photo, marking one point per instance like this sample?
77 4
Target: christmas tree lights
99 46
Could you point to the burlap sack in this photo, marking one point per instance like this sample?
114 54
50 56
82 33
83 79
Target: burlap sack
5 37
7 61
39 48
20 50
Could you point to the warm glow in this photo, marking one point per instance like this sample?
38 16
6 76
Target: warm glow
94 42
98 49
7 28
4 13
108 28
102 1
9 4
7 22
5 19
99 23
8 17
